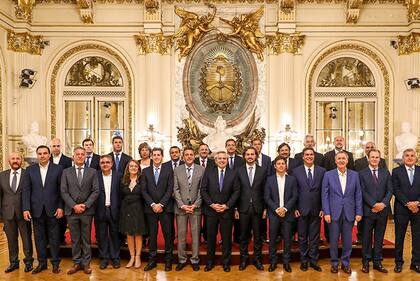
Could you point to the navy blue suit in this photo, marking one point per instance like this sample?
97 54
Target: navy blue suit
374 191
319 158
94 161
43 200
65 161
405 192
106 220
124 159
272 199
309 207
343 209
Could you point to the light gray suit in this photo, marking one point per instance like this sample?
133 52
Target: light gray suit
11 210
80 224
186 194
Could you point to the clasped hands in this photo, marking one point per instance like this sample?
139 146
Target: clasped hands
281 211
413 206
189 209
377 207
59 213
79 208
220 208
157 208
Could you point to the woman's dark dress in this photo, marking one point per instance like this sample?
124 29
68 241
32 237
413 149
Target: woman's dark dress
132 220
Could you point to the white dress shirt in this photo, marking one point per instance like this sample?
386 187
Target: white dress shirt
56 159
18 174
43 171
312 170
343 179
82 169
107 187
201 161
281 181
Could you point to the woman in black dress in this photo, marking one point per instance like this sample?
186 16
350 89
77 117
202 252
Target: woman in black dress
132 222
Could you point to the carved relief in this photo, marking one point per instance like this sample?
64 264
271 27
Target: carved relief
190 135
154 43
285 43
353 10
151 6
23 9
86 10
346 72
251 132
413 10
409 44
25 42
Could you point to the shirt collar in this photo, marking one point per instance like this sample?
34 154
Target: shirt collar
342 174
371 168
311 167
19 171
249 166
110 174
58 156
158 167
408 168
46 166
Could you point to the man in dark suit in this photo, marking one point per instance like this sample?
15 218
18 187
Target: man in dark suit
80 190
11 210
157 186
309 141
309 181
376 186
57 157
284 151
341 204
203 157
92 159
107 214
175 154
406 184
219 190
42 203
250 206
360 164
120 158
329 157
280 195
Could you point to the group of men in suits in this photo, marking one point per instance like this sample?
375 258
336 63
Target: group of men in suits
235 194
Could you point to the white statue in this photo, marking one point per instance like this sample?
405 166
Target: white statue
216 140
405 140
33 140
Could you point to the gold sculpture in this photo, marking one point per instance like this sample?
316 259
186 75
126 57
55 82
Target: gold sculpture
154 43
190 135
409 44
285 43
251 132
413 10
246 27
25 42
192 29
23 9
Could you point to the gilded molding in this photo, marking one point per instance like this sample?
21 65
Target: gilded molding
152 6
353 10
287 6
285 43
23 9
25 42
385 74
54 86
409 44
214 1
95 1
86 10
158 43
3 147
413 10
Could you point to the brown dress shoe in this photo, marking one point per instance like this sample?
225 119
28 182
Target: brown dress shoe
76 267
87 269
346 269
334 269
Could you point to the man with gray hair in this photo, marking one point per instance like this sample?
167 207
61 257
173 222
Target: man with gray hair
309 141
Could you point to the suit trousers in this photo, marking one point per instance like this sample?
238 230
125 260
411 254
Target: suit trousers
279 225
80 229
373 225
182 221
343 228
401 224
250 220
12 228
213 223
62 223
108 237
46 232
166 220
309 232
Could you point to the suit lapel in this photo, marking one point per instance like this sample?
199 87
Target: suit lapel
337 180
276 191
75 176
195 176
38 175
347 183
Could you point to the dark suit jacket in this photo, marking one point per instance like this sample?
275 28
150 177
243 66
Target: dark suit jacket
36 197
334 202
115 197
238 161
266 164
160 193
210 162
404 191
329 160
309 197
210 192
10 201
94 162
272 197
254 192
124 159
362 163
319 158
65 161
170 164
291 164
375 193
72 193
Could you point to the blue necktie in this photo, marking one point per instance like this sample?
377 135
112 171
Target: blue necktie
87 163
222 176
310 178
411 175
231 162
156 175
117 161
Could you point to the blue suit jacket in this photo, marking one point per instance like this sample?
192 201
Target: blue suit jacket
272 197
115 197
36 197
404 191
266 165
309 197
334 202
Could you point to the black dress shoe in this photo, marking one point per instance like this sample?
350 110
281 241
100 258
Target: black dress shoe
346 269
304 266
258 265
365 268
180 266
242 265
208 267
196 267
28 267
379 267
416 268
334 269
56 269
11 268
316 267
398 268
116 264
103 265
168 266
150 266
39 268
287 267
272 267
226 268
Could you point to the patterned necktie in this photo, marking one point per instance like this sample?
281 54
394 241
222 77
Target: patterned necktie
87 163
310 178
203 163
411 175
231 162
375 176
222 176
189 177
117 161
14 182
250 176
79 175
175 164
156 175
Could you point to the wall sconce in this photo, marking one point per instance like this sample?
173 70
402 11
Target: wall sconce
27 78
333 114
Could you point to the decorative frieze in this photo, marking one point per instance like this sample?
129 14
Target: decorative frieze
23 9
25 42
409 44
285 43
154 43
